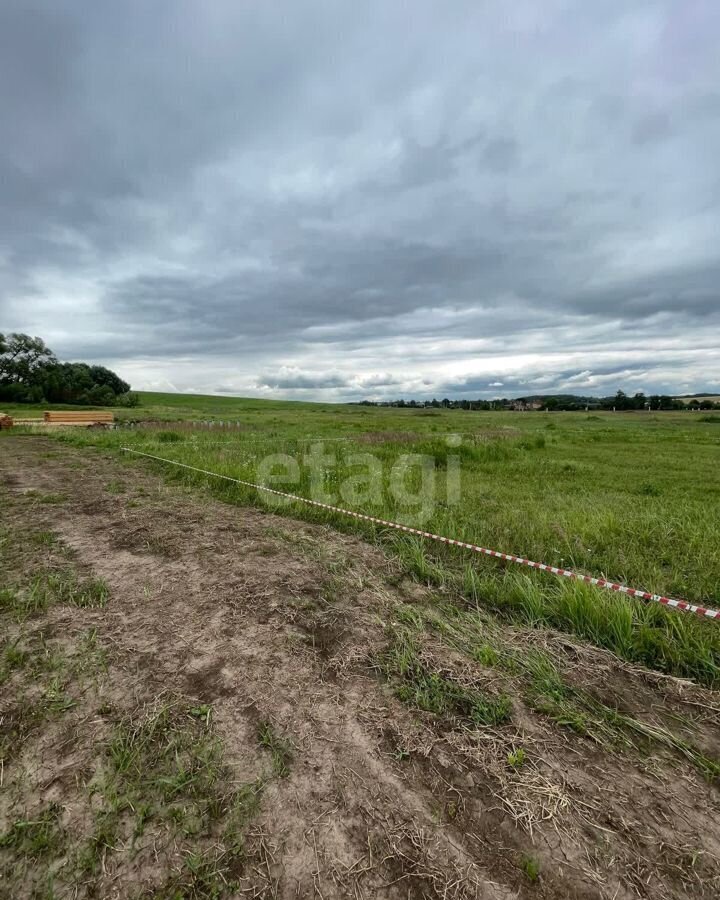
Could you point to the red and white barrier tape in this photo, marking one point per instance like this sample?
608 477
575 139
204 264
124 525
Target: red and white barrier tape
508 557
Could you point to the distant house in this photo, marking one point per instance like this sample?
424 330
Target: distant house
521 405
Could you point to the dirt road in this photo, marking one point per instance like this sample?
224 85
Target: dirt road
194 703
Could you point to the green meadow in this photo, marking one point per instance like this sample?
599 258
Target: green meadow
632 497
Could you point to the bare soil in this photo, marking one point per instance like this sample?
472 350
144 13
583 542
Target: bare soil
256 620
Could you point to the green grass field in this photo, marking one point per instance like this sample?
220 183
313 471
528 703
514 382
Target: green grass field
173 407
633 497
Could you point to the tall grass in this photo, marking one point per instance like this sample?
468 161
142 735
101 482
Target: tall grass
632 498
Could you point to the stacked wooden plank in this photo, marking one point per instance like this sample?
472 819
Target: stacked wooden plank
78 418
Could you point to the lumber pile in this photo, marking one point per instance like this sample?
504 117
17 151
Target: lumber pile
78 418
86 419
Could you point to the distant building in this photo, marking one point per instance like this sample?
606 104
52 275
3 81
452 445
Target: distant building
522 405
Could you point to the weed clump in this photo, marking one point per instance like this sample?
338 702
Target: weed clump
280 749
433 691
169 437
531 867
516 758
46 589
35 837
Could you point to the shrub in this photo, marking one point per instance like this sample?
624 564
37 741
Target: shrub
129 400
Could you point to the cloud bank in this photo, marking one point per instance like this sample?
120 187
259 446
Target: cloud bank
337 201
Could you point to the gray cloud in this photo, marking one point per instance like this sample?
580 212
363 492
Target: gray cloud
293 378
322 200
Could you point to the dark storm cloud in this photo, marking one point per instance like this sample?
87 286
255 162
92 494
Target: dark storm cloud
376 197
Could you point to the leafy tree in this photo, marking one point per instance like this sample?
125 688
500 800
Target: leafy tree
663 401
619 401
21 356
102 376
31 373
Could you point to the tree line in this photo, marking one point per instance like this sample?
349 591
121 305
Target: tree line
560 402
31 373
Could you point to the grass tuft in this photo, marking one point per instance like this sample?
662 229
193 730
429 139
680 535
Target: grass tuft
33 838
433 691
531 867
279 748
169 437
516 758
62 586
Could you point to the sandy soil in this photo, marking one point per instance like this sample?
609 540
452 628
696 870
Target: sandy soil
265 619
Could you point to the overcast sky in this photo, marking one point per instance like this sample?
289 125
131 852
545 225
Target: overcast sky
338 200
